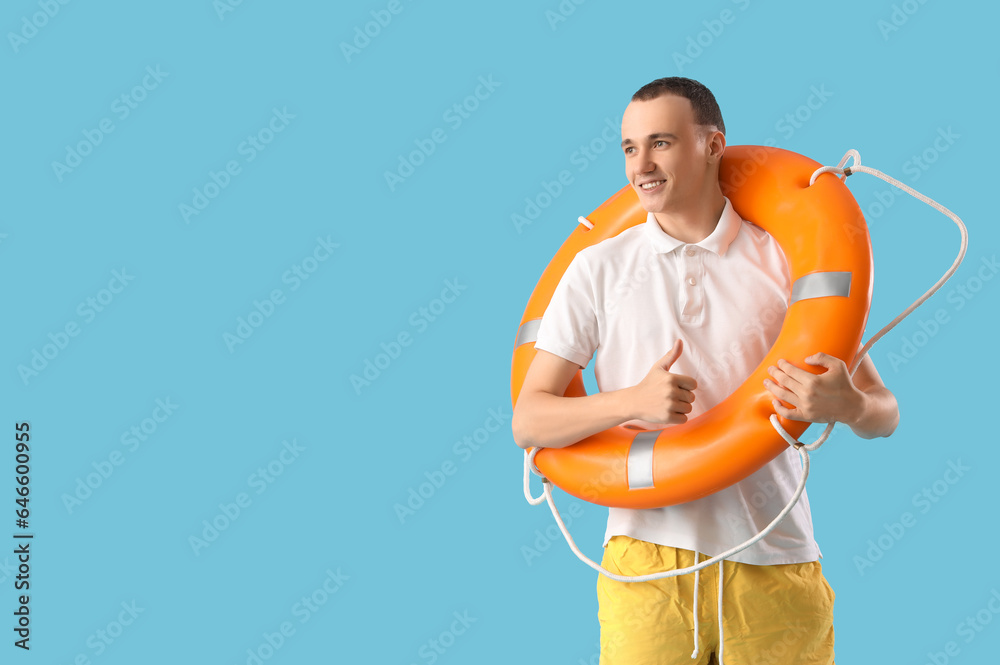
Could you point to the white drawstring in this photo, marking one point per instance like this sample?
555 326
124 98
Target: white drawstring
721 662
697 575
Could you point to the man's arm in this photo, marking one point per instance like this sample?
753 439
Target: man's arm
544 418
862 402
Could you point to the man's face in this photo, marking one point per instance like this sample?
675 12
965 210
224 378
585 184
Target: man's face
667 157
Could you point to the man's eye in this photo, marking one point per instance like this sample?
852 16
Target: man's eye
660 143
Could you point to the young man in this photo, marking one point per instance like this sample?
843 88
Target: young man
676 313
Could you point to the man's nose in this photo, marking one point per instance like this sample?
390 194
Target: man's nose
644 163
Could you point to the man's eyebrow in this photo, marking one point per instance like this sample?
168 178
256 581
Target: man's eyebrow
658 135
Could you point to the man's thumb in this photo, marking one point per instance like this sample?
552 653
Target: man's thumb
672 355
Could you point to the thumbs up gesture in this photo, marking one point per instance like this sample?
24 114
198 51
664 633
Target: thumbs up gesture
663 397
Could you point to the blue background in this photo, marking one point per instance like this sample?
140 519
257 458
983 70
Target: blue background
893 78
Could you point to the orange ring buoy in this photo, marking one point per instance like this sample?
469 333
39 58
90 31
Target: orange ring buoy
823 234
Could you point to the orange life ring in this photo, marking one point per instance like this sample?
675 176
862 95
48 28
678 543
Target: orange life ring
823 234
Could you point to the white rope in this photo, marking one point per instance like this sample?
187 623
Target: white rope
586 222
547 493
529 467
843 173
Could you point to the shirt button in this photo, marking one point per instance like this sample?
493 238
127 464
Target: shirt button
690 251
691 281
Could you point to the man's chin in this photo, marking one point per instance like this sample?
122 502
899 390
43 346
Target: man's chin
661 201
655 205
649 204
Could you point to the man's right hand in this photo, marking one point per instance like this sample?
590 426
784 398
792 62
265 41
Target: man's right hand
544 417
663 397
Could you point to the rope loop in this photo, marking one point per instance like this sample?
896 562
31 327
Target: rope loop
531 462
840 169
529 468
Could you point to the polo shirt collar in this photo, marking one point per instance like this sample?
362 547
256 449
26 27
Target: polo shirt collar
718 241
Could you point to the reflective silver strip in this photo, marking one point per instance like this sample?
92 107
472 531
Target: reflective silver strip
528 332
640 460
821 285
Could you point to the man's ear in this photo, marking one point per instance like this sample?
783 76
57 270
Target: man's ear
715 145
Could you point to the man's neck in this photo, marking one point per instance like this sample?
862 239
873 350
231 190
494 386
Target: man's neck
695 223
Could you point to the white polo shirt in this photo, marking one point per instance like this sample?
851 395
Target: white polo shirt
624 301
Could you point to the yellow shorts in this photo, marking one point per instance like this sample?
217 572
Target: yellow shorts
770 614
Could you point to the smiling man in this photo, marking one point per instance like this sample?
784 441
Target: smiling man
671 313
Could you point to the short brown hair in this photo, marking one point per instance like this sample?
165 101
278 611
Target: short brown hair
706 109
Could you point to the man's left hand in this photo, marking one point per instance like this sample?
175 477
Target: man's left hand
815 398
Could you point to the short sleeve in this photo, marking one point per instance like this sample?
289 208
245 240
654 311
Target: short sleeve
569 327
